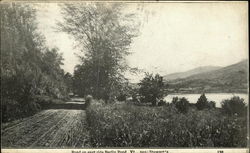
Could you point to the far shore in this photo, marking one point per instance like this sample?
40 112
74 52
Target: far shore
181 93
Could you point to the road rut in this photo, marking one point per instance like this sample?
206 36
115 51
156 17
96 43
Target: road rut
52 128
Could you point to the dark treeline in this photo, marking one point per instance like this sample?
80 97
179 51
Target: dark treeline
30 70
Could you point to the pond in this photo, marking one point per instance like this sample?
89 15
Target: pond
217 97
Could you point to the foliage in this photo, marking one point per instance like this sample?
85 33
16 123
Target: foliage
12 109
104 33
181 104
134 95
68 78
202 102
124 125
28 67
88 100
121 97
211 104
46 101
151 88
162 103
233 106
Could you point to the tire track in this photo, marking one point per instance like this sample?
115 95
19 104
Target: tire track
64 130
61 128
39 130
72 133
5 128
31 123
19 135
48 132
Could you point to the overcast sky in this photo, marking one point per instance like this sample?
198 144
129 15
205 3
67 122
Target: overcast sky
174 37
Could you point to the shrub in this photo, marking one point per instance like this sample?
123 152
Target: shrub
135 98
9 109
88 100
202 102
211 104
175 100
182 104
12 109
234 106
45 101
151 89
162 103
121 97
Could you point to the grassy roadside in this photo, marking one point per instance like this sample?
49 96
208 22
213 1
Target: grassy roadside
127 125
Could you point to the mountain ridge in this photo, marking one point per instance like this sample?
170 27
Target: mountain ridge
197 70
232 78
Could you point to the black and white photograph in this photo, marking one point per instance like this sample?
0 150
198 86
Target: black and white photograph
106 74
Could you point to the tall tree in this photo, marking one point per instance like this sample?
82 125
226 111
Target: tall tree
20 49
151 89
104 33
28 67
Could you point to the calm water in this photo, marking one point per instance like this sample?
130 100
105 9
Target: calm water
217 97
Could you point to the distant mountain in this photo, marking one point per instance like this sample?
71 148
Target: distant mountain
191 72
233 78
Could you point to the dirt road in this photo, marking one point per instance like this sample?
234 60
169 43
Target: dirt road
52 128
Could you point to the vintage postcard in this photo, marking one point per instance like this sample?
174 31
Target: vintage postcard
124 77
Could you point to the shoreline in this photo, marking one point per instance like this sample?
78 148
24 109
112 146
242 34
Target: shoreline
189 93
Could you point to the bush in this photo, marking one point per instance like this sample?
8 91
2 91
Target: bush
135 98
202 102
175 100
234 106
162 103
182 104
121 97
88 100
124 125
9 109
151 89
211 104
12 109
45 101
